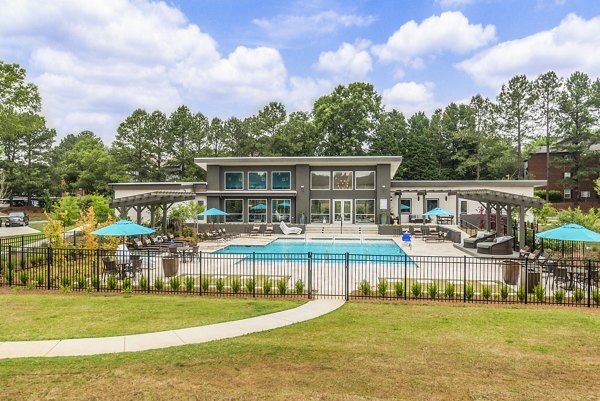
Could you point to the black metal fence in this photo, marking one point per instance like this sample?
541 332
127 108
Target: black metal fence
571 282
70 237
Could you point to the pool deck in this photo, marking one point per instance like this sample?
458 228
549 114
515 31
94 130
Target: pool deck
419 247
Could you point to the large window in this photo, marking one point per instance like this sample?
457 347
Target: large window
319 211
257 180
432 204
319 180
235 210
463 207
406 206
281 210
257 211
365 180
281 180
201 219
342 180
365 211
234 180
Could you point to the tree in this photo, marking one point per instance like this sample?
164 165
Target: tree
131 147
34 167
296 137
598 186
193 209
348 118
102 211
66 211
577 126
418 162
158 141
189 136
515 106
547 93
391 133
216 136
179 214
264 126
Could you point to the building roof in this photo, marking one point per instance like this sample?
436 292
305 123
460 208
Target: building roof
152 198
499 197
542 149
393 161
445 184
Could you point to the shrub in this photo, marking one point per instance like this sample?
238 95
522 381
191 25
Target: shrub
205 284
39 279
10 276
189 284
539 292
416 289
282 286
486 292
504 292
469 291
578 295
95 282
220 284
159 284
81 282
65 281
299 286
111 282
267 286
399 289
559 296
553 195
24 277
236 286
175 283
364 287
449 290
382 288
521 294
596 296
127 284
143 283
250 285
433 290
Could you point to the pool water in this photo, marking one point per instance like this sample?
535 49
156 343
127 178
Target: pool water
319 246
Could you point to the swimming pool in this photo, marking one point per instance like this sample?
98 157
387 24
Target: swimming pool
319 246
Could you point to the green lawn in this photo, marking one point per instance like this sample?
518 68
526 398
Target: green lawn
37 317
364 351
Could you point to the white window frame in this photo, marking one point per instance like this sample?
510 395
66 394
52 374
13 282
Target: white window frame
431 199
410 200
281 199
567 193
225 180
266 208
567 174
585 194
342 189
266 188
320 189
374 210
225 207
329 207
281 189
374 180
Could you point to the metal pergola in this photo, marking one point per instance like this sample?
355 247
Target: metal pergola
151 201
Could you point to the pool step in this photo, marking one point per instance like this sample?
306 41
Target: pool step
365 229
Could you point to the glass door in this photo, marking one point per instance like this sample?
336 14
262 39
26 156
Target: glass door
342 210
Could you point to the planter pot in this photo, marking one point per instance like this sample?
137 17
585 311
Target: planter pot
170 266
510 271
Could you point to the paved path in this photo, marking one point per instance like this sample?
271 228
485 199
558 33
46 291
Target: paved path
170 338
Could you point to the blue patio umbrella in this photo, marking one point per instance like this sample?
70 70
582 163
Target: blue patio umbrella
123 228
260 206
404 207
438 211
213 212
571 232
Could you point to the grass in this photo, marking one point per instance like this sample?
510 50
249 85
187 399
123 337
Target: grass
51 316
364 351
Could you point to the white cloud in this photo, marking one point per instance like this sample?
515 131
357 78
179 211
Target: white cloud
295 26
448 32
445 4
572 45
95 62
349 60
410 97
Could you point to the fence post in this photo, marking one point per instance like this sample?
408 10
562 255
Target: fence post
465 278
405 277
148 270
589 283
22 241
48 265
254 274
526 280
200 267
10 267
98 270
347 284
309 275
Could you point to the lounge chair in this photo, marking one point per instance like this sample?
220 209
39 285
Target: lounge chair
497 246
289 230
269 229
228 234
255 230
481 236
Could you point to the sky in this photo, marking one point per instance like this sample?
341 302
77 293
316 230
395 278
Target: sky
95 62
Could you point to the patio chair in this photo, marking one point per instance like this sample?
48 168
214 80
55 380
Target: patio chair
269 229
481 236
110 267
224 234
561 277
231 235
255 230
497 246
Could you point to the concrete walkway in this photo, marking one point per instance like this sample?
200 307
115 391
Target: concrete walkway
170 338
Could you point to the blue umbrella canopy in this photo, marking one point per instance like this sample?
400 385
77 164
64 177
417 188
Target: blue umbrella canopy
570 232
123 228
213 212
404 207
438 211
260 206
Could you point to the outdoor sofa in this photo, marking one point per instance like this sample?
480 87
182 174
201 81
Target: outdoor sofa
481 236
497 246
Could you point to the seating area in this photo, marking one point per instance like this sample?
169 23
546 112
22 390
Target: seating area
497 246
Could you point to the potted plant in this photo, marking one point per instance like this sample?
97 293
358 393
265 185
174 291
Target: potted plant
170 265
